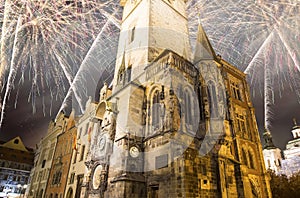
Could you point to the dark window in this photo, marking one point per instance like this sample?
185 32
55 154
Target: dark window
16 141
129 74
72 178
251 161
43 163
244 155
132 34
82 152
75 156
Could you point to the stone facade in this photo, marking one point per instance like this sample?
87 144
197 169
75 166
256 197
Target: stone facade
172 127
174 124
58 174
78 170
44 157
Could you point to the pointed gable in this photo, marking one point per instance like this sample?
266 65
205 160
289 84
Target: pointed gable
203 48
16 144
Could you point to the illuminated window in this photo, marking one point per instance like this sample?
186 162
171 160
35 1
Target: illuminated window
235 90
241 123
244 156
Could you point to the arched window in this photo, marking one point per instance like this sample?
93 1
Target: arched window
155 110
213 102
251 160
244 156
70 193
41 193
188 107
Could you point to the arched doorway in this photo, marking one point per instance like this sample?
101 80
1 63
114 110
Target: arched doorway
70 193
41 193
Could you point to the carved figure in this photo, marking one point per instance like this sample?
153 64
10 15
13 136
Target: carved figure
103 92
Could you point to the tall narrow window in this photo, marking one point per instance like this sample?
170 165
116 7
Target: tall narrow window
129 73
241 123
213 102
251 161
244 155
75 156
235 90
155 110
132 35
188 108
82 152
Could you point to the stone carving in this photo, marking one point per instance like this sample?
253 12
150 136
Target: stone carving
109 124
103 92
162 111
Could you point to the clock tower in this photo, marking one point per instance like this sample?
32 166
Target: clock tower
171 127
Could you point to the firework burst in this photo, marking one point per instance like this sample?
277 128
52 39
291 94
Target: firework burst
261 38
47 41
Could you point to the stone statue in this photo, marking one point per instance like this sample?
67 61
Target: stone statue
109 124
170 114
103 92
162 109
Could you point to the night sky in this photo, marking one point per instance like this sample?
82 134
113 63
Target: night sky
31 127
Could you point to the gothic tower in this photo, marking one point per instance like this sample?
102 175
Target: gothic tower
173 125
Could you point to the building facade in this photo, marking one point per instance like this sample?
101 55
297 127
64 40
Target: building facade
272 154
78 170
291 162
44 157
58 174
16 161
176 125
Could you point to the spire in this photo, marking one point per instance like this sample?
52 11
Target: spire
268 140
203 48
295 124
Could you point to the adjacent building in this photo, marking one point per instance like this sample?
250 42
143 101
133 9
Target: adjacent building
16 161
291 162
78 170
272 154
59 170
44 157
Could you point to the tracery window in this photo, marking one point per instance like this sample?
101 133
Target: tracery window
235 90
244 156
251 160
188 108
155 109
213 102
241 123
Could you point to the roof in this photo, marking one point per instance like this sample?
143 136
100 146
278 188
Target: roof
203 49
17 144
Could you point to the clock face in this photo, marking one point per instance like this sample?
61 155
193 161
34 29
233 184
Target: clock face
97 177
134 152
102 143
